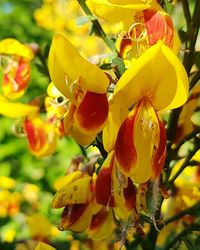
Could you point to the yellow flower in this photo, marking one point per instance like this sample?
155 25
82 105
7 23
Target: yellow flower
140 93
76 79
15 61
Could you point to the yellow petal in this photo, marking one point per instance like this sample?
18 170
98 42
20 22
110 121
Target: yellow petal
76 217
16 109
65 61
116 116
102 225
76 192
80 137
11 46
44 246
53 91
114 11
153 80
69 178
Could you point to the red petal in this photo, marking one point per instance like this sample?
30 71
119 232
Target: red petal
159 27
125 44
98 219
124 148
72 213
92 112
103 186
130 195
22 74
36 135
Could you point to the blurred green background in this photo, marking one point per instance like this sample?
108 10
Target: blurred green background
16 162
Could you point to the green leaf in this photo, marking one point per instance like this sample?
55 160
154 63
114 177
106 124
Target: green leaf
188 244
197 243
119 64
105 66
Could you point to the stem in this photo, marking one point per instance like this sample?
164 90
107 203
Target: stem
195 79
190 228
83 151
185 164
193 25
187 211
172 124
186 138
97 27
44 64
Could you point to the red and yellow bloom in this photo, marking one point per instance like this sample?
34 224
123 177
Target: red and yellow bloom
84 85
15 61
140 142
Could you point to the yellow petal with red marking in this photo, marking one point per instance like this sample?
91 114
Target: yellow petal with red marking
124 194
41 136
91 113
65 61
10 46
76 217
159 26
126 156
15 80
140 145
116 116
149 79
103 185
102 225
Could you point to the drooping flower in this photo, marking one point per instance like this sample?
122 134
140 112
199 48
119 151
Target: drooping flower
81 211
15 61
84 85
141 92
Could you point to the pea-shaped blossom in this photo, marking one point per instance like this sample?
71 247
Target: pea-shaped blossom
81 211
15 60
84 85
155 81
144 23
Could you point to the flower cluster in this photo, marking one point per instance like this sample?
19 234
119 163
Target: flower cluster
121 106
